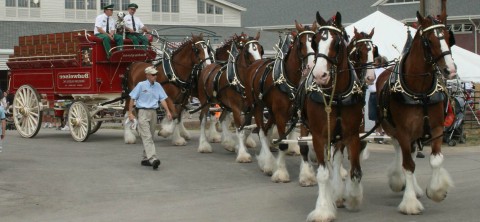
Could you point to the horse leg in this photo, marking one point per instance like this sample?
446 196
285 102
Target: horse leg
418 190
228 141
249 141
354 188
306 176
293 147
337 179
203 145
213 136
266 162
177 139
183 131
396 176
410 204
281 174
441 181
242 154
325 206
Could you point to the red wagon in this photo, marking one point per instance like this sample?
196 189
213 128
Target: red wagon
47 70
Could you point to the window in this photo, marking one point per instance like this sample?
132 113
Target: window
209 8
70 4
91 4
11 3
125 4
23 3
155 5
103 3
200 7
165 5
218 10
116 4
80 4
456 28
175 6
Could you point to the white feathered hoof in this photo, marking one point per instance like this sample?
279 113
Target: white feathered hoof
229 145
179 141
164 133
439 185
411 206
281 176
396 180
216 138
205 148
244 158
320 216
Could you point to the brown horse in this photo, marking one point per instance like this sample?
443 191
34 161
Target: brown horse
176 74
332 111
273 84
225 85
411 104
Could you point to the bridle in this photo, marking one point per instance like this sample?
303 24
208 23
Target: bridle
427 47
339 41
299 47
355 51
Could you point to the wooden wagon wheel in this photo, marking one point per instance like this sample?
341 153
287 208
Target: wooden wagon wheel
27 111
79 121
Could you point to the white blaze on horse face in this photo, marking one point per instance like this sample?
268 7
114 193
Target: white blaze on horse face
370 73
321 73
254 51
207 55
452 71
310 53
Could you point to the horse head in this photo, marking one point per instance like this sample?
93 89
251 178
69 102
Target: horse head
361 53
250 48
330 46
303 44
435 39
194 51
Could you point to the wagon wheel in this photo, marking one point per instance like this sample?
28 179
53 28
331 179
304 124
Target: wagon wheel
95 125
79 121
27 111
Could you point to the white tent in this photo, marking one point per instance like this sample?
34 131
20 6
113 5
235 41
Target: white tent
390 36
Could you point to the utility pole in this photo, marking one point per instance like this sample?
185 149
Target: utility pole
431 7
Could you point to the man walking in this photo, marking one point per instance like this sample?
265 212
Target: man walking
146 95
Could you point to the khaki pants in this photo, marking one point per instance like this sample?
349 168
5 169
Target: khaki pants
147 119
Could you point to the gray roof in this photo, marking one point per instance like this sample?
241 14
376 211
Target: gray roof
284 12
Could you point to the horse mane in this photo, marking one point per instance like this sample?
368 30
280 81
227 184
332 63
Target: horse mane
185 43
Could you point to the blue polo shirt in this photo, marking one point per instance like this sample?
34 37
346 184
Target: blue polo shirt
147 95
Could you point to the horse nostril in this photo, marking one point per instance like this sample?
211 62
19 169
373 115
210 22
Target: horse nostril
324 75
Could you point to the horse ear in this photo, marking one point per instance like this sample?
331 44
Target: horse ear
338 19
293 33
258 36
298 26
314 26
320 20
201 35
355 32
371 33
419 18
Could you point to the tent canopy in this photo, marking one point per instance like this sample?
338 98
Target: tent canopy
390 36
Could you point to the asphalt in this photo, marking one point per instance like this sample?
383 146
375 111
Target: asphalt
52 178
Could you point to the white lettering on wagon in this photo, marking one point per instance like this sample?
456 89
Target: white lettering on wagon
74 76
73 80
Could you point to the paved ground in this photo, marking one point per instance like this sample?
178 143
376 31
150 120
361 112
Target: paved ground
53 178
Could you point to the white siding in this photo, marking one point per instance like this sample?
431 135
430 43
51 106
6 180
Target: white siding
54 11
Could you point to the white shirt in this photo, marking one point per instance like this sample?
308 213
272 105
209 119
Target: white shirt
101 21
373 87
129 24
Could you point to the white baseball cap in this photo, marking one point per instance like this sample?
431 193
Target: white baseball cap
151 70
